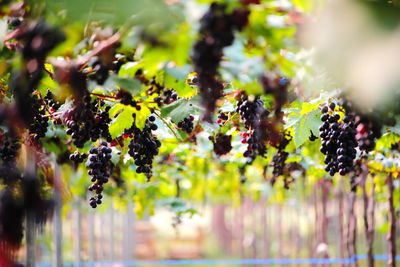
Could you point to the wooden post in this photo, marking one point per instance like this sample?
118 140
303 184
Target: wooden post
352 227
111 232
30 240
325 187
77 234
30 169
129 236
57 225
369 232
265 235
392 222
341 220
92 237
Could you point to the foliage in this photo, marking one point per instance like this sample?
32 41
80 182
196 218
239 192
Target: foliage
132 63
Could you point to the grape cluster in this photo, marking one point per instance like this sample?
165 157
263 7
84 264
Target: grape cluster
100 168
125 98
254 116
51 102
216 32
278 88
222 117
368 125
88 121
77 157
100 71
338 141
250 111
144 147
186 124
222 143
39 123
166 97
23 196
14 22
278 162
39 39
254 146
9 148
279 159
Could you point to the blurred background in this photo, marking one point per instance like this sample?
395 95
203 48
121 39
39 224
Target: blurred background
307 227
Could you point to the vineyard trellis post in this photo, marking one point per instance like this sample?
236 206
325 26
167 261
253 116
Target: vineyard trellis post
57 225
30 236
77 234
392 223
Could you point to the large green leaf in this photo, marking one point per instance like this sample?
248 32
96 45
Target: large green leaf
308 122
175 78
131 85
181 108
124 119
387 140
141 12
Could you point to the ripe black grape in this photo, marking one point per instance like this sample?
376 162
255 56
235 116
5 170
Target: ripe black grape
88 120
250 111
9 148
166 97
216 32
338 142
144 147
254 146
279 159
100 168
100 71
222 143
186 124
77 157
39 122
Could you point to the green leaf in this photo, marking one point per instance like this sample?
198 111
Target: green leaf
251 86
129 69
308 122
181 108
131 85
141 116
387 140
124 118
304 5
140 12
227 107
123 121
176 78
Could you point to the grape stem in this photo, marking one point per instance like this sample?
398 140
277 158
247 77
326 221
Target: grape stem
43 102
52 114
